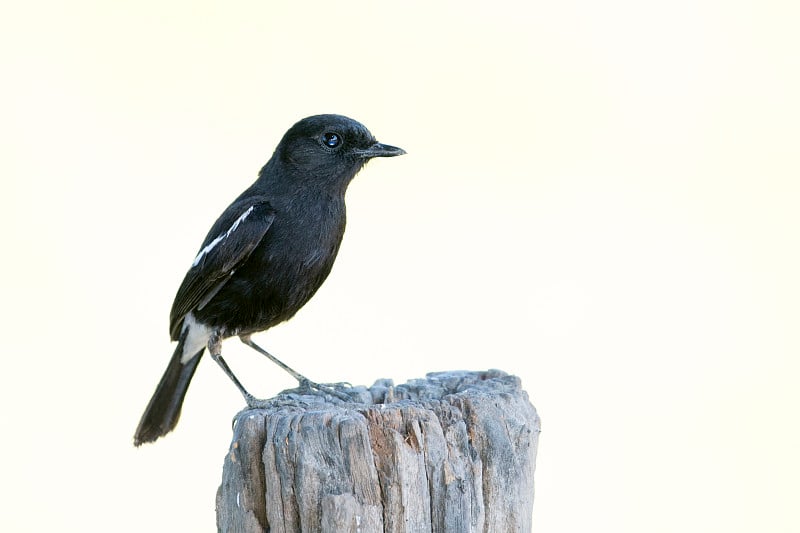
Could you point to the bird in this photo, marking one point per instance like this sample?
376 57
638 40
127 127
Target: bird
264 258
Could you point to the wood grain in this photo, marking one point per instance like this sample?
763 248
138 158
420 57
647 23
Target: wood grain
454 452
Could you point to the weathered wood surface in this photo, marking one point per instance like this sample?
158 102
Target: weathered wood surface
454 452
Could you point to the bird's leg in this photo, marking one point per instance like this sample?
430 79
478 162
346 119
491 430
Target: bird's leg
304 381
215 349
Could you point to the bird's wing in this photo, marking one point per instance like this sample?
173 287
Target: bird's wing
234 237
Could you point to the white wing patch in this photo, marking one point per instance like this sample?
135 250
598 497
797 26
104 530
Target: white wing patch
210 246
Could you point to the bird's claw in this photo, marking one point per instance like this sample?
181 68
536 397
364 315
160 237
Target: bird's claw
306 385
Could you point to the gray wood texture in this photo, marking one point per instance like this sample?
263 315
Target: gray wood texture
454 452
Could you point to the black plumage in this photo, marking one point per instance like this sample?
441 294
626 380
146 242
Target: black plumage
265 256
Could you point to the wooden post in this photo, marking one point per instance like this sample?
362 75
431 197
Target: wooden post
451 453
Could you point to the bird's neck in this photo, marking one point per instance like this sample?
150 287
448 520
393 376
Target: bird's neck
281 185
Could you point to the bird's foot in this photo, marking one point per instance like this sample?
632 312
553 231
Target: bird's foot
255 403
332 389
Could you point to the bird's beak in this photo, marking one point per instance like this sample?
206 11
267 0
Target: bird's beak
380 150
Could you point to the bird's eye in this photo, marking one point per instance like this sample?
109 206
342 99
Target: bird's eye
331 139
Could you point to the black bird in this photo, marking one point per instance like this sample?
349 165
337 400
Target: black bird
265 256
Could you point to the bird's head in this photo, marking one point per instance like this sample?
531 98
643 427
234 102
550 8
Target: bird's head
329 149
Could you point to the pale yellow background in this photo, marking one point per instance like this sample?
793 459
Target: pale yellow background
600 197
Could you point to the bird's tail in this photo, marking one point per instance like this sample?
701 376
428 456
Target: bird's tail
162 413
